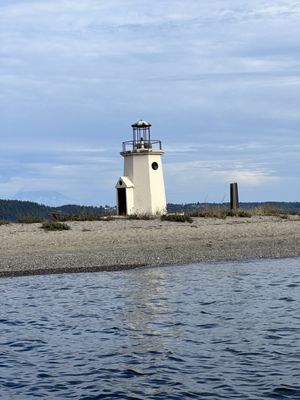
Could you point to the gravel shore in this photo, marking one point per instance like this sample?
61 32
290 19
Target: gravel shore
25 249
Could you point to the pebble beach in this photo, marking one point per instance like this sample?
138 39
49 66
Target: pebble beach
26 249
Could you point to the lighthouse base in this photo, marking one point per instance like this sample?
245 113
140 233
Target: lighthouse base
133 200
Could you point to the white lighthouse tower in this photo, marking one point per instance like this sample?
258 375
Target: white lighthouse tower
141 190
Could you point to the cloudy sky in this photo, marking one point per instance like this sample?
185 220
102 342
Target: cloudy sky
218 79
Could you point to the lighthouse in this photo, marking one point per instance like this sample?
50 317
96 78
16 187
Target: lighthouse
141 190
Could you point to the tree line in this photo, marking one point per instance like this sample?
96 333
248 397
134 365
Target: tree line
15 210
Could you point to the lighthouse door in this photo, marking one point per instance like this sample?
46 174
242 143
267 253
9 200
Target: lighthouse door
122 206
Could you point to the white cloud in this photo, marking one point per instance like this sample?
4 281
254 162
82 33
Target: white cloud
219 80
222 169
247 177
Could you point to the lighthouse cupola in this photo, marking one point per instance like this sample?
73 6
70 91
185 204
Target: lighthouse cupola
141 134
141 139
141 189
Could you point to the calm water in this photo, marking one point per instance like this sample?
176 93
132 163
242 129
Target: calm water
218 331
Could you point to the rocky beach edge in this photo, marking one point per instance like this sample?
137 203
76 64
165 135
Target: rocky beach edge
90 246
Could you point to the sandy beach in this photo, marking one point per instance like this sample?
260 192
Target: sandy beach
26 249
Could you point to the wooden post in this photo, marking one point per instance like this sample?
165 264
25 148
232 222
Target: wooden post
234 197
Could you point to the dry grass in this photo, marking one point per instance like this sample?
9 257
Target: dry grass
4 223
222 212
177 218
30 219
143 216
219 212
81 217
242 213
269 210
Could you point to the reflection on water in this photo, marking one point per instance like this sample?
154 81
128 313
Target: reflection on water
200 331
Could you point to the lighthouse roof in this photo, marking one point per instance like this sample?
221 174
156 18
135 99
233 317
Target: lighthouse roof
124 182
141 124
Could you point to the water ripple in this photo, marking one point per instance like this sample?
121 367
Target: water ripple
205 331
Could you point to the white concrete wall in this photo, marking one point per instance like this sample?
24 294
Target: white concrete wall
130 201
158 193
149 189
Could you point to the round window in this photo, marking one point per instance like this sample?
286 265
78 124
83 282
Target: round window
120 182
154 166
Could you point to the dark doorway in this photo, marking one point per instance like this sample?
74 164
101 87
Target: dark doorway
122 206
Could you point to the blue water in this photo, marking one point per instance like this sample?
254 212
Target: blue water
205 331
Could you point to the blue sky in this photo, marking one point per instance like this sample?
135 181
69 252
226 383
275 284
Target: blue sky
219 81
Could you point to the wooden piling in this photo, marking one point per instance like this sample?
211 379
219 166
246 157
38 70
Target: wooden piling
234 197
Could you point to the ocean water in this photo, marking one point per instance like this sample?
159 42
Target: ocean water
202 331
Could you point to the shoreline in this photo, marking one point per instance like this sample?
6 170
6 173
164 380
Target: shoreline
118 268
95 246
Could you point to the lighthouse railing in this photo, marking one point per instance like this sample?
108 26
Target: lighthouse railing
133 145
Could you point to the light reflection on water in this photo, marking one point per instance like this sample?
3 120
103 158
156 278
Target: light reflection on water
200 331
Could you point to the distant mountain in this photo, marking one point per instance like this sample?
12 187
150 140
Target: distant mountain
46 197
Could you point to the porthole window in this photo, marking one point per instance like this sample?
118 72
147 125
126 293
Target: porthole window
120 182
154 166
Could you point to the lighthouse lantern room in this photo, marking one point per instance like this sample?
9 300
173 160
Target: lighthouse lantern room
141 189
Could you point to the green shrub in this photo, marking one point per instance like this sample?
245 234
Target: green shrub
55 226
177 218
